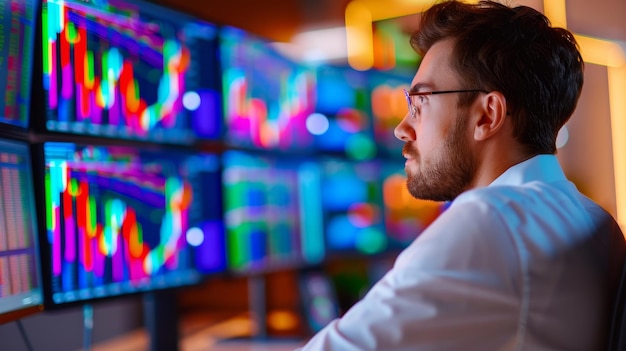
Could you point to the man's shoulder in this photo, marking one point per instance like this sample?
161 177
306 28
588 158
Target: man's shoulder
533 195
531 213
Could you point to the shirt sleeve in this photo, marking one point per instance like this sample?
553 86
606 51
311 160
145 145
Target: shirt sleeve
457 287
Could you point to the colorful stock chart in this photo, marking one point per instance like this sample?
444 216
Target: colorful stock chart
121 220
129 70
272 212
267 98
388 108
17 23
352 203
405 216
342 122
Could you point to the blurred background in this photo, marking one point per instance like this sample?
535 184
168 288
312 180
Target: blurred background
259 204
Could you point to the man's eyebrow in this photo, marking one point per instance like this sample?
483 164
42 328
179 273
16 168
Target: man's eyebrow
421 86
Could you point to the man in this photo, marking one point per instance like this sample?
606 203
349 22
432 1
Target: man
520 260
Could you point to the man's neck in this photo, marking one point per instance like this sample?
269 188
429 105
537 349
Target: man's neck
494 159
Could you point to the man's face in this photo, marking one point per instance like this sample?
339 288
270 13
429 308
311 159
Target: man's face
439 162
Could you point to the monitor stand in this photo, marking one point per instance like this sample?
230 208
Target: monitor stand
257 306
87 326
161 320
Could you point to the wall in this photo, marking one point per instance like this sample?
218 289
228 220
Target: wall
587 158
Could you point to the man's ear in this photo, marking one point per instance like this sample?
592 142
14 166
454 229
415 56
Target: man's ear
492 108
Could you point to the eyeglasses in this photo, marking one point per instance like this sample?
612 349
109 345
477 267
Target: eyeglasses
415 105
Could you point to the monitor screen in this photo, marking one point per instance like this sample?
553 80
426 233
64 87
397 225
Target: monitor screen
272 212
17 26
267 98
405 216
352 205
131 70
121 220
20 288
342 123
388 108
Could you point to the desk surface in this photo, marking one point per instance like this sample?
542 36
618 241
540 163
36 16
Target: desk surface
203 333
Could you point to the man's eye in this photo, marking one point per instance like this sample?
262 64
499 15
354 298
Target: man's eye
421 98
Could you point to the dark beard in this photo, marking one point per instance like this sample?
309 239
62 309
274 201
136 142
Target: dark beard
448 177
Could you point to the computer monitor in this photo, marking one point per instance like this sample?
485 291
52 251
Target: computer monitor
267 97
20 288
352 205
17 27
272 212
388 106
131 70
342 123
319 302
405 216
122 220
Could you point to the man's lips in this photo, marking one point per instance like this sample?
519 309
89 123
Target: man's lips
408 154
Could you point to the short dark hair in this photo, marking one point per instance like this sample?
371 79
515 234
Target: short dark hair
515 51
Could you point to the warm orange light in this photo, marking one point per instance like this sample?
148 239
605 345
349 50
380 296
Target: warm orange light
360 46
617 87
359 16
601 52
282 320
555 10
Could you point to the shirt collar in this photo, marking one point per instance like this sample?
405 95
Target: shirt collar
541 167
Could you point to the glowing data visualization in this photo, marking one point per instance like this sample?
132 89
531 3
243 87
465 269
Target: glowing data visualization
342 122
405 216
129 70
352 203
20 287
388 108
272 212
120 220
267 98
17 22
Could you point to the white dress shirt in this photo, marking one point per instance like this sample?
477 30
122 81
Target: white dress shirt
523 264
